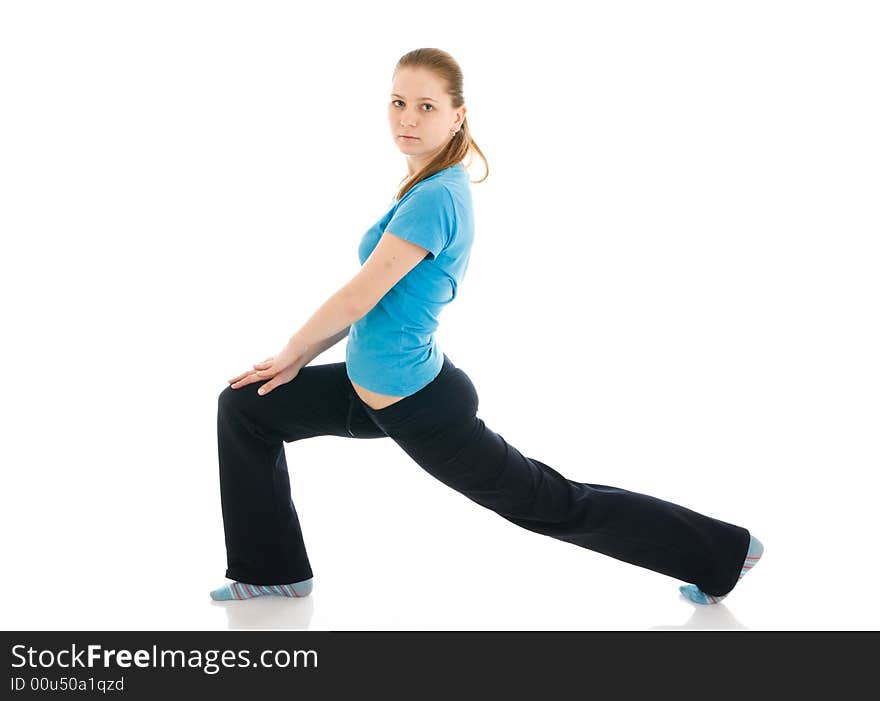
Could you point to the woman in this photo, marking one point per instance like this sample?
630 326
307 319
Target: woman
397 382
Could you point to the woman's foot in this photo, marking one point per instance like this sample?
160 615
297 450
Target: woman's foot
695 594
241 590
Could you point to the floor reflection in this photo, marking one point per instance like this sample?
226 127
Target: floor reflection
269 612
716 616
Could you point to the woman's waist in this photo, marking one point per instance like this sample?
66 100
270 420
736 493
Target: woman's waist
374 400
400 344
392 375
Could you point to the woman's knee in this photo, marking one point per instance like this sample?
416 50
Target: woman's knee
243 400
229 397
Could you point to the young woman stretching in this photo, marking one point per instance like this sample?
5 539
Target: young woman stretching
396 382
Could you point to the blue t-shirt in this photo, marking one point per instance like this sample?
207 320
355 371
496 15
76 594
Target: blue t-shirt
391 349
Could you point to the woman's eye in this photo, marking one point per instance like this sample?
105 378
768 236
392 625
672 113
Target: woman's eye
424 105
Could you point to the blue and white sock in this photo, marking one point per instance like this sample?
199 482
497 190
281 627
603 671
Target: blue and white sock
695 594
241 590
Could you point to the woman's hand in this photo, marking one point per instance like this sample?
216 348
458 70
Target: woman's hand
279 369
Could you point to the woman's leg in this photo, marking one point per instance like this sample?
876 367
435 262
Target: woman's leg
264 542
439 429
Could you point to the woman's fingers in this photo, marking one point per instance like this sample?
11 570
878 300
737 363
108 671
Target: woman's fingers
239 377
246 380
279 379
250 376
267 363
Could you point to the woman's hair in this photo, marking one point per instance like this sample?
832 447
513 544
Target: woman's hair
447 69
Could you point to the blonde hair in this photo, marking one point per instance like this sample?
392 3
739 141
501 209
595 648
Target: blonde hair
462 143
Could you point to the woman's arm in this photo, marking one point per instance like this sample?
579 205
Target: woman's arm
335 315
391 259
322 330
320 347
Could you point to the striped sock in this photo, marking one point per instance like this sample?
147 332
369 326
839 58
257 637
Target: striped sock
695 594
241 590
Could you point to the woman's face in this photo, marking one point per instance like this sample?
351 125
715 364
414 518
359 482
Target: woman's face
419 106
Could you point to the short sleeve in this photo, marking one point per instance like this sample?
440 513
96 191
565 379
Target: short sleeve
425 216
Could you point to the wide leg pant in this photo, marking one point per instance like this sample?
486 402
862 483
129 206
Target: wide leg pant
438 428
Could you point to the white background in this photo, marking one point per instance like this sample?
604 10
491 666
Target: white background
673 289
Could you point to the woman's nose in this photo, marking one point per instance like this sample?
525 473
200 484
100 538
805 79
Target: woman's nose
407 118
